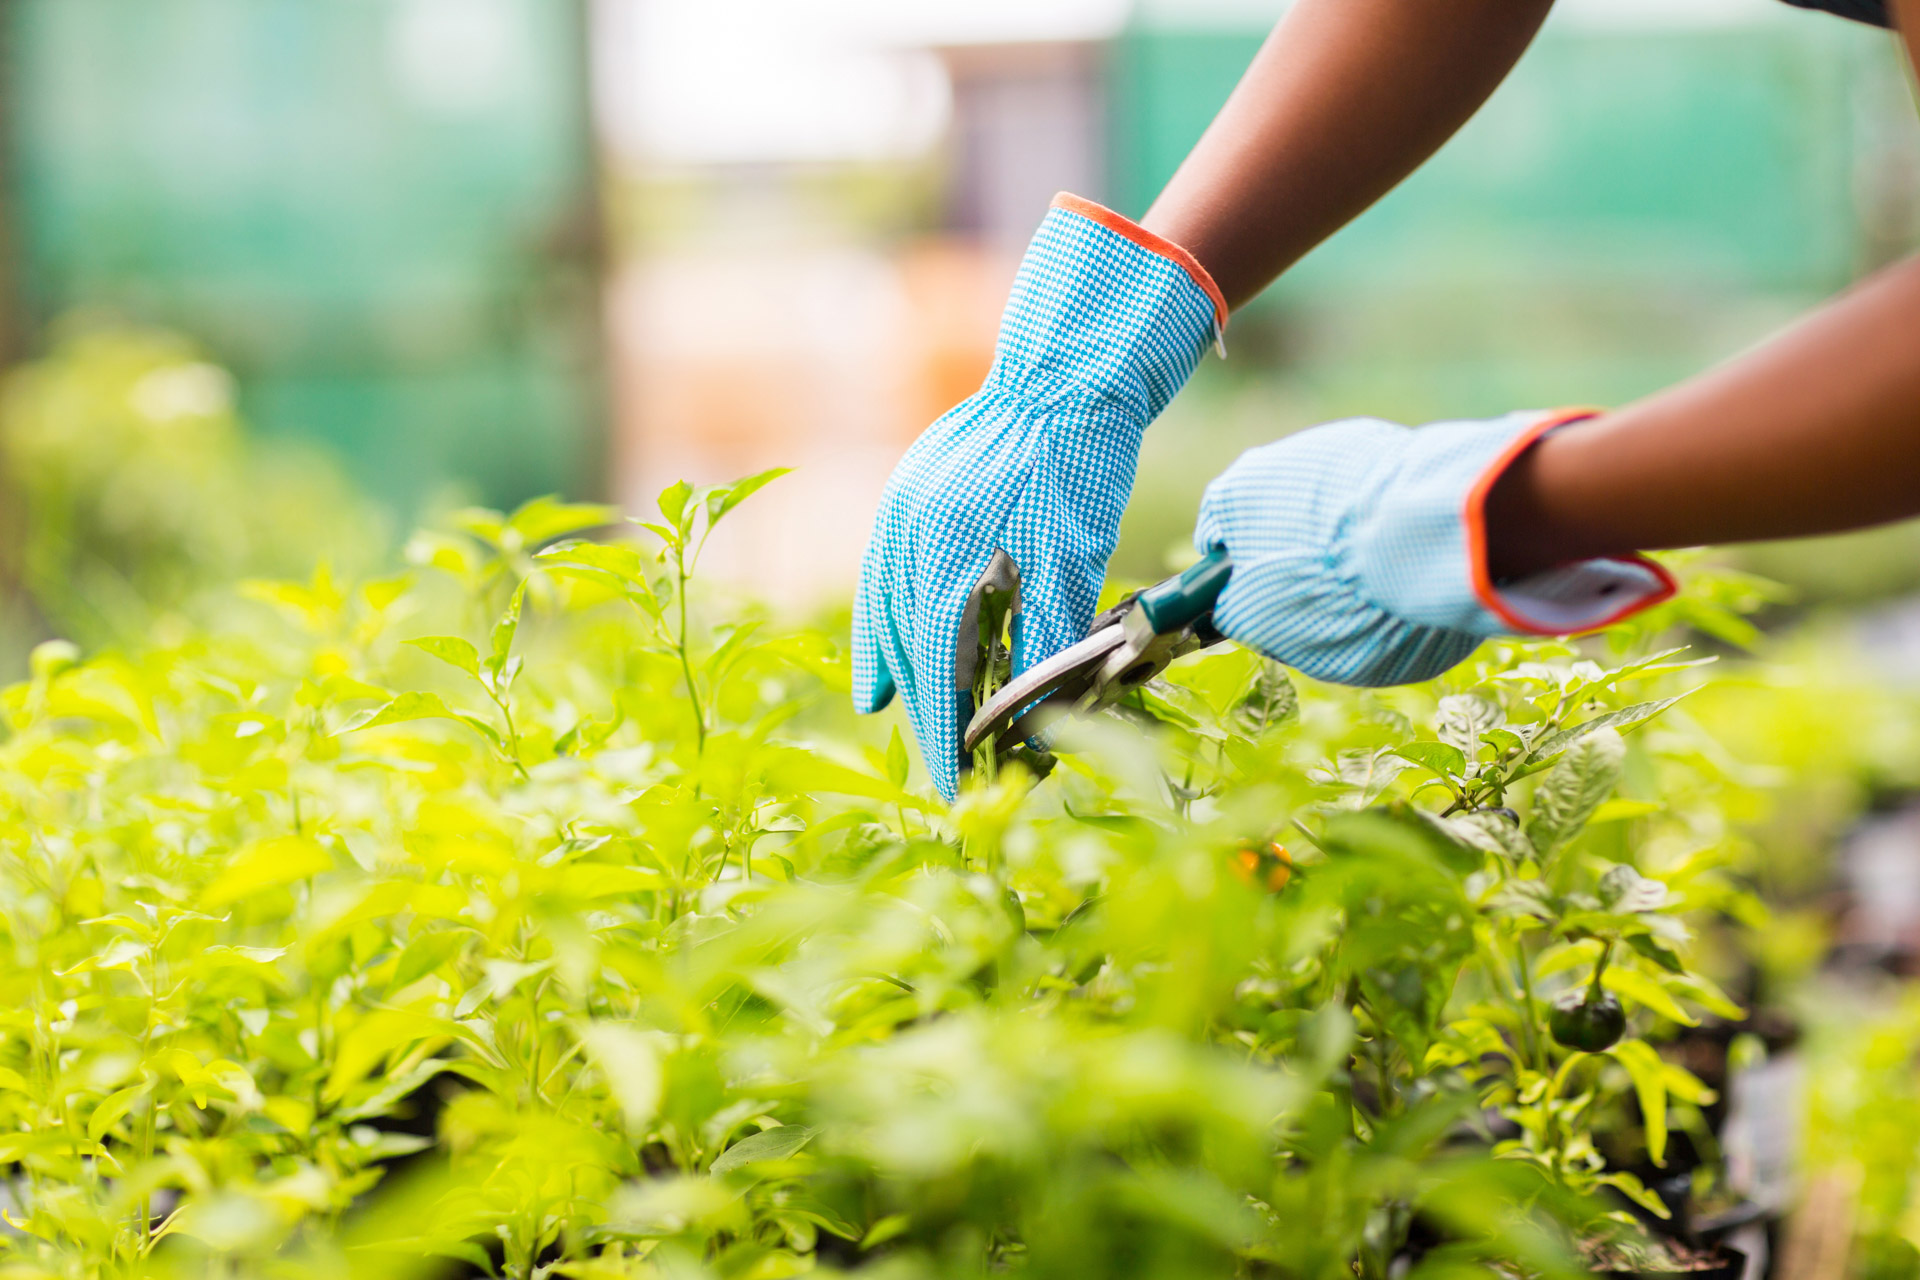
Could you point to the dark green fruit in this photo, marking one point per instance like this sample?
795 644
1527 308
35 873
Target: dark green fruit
1589 1022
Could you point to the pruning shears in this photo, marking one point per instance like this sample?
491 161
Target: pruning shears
1126 646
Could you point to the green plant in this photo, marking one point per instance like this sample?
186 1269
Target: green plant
1452 979
505 911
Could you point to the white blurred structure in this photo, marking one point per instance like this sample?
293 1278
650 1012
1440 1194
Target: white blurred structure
773 81
761 337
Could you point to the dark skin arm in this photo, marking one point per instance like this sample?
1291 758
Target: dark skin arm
1814 432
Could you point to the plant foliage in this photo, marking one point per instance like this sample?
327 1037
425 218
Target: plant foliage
517 914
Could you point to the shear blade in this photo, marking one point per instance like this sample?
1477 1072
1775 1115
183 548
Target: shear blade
1079 662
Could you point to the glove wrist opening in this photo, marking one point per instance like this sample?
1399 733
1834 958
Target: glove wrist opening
1131 230
1584 595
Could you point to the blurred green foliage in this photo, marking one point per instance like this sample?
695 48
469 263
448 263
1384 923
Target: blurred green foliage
132 487
507 910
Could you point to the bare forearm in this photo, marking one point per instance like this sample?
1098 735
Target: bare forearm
1814 432
1346 98
1817 431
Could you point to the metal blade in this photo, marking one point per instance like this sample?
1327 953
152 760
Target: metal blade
1077 662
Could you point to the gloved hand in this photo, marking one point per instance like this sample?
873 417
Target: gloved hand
1105 324
1359 551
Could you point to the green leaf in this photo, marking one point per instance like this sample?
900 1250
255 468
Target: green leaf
1563 956
1625 891
222 956
1649 1075
408 706
1270 699
501 642
1570 794
1705 993
481 522
627 565
1635 1190
589 880
1492 833
425 954
794 770
819 1213
731 650
1370 772
52 657
1442 758
545 518
382 594
267 865
1504 741
1463 717
667 535
113 1108
888 1228
772 1144
451 650
482 728
673 505
629 1060
898 762
724 498
1642 990
1618 810
1653 951
1624 718
383 1032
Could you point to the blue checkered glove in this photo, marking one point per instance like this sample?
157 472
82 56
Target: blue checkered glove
1359 551
1105 324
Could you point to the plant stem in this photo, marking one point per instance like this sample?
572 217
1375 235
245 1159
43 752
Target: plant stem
1528 1022
513 734
1599 969
686 662
986 756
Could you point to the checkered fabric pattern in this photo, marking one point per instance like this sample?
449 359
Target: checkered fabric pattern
1099 334
1351 553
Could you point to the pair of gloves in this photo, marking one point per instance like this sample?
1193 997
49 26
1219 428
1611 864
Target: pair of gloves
1358 549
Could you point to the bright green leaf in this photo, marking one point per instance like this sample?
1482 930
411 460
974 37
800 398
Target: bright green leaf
771 1144
1568 795
1649 1075
724 498
267 865
451 650
1639 988
1446 760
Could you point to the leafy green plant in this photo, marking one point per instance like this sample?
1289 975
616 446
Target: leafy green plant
505 912
1516 927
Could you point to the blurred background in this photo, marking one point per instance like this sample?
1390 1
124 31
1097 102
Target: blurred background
283 272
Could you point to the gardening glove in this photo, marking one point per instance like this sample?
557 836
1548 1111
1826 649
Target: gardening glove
1105 324
1359 551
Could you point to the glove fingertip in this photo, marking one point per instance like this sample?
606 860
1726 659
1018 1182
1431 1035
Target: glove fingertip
877 697
939 737
873 682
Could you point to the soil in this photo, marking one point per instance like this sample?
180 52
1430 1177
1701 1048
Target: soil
1663 1257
